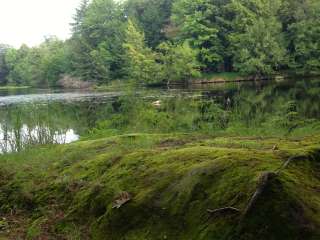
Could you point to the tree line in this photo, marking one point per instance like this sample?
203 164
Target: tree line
155 41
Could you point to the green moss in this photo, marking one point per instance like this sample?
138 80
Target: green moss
172 180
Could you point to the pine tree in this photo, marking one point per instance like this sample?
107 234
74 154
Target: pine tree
4 71
179 62
79 17
141 61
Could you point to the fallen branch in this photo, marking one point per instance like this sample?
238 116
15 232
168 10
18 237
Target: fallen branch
264 181
224 210
286 164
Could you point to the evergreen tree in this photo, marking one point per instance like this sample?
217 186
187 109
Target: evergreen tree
4 71
259 51
141 61
197 23
79 17
101 35
304 35
152 16
256 42
179 62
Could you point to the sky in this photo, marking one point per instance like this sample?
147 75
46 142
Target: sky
29 21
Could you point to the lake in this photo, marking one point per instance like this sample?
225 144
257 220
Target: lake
40 116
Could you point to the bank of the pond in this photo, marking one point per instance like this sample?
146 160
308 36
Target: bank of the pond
206 78
144 186
229 77
234 77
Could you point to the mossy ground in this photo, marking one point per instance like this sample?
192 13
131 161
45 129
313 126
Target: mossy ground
67 191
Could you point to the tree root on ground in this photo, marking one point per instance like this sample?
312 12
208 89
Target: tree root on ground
263 182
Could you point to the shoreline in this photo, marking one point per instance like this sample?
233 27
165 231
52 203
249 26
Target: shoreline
211 79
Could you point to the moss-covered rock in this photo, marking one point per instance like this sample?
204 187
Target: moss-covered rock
68 191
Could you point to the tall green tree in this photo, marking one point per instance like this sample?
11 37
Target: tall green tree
79 17
20 66
179 62
4 71
97 46
141 60
152 16
198 22
256 42
54 61
38 66
303 37
260 50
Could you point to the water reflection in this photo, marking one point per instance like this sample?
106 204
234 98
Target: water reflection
46 117
46 97
23 125
17 139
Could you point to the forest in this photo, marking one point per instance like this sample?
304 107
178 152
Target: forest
159 41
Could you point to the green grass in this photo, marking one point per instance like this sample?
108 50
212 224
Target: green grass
67 191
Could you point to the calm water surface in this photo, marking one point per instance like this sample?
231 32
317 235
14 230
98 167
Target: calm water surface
41 116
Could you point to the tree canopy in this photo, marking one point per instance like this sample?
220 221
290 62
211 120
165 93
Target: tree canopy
154 41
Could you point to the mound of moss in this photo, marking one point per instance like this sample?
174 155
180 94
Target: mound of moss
163 187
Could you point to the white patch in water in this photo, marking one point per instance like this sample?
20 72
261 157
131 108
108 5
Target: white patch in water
15 139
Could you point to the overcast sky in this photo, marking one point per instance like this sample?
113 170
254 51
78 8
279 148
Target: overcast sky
28 21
